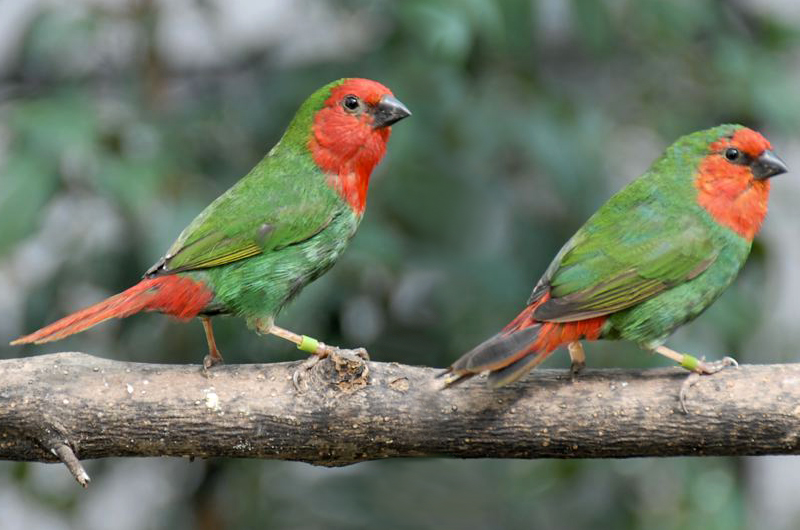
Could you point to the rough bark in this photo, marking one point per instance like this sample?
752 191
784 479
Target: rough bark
70 406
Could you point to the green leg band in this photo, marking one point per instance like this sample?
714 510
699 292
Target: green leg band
308 344
689 362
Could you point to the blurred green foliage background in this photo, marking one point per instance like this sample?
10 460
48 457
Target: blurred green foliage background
121 119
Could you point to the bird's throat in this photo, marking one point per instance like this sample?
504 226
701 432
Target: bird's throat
347 153
732 197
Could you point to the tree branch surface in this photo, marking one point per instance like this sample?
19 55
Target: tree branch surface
71 406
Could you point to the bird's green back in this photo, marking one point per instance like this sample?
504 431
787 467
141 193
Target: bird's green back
649 237
283 200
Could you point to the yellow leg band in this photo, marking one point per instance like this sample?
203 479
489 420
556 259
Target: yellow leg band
689 362
308 344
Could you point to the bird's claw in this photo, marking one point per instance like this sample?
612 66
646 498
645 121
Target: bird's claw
693 378
305 366
577 359
706 368
575 368
703 368
209 361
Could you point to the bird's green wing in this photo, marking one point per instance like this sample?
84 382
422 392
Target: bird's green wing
269 209
622 257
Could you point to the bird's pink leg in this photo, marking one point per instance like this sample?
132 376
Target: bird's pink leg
578 358
697 366
303 342
693 364
318 350
213 357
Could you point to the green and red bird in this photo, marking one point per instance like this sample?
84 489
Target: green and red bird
280 227
654 257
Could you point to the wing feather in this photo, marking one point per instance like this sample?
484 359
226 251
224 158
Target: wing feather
269 209
621 259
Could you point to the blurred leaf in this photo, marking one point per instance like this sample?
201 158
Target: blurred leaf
26 185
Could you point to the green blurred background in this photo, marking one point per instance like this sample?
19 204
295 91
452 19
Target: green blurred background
121 119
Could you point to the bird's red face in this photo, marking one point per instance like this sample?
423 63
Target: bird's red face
350 133
748 153
733 180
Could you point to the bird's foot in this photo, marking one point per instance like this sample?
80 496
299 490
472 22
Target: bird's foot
318 350
210 361
213 357
575 369
577 358
708 368
305 366
700 367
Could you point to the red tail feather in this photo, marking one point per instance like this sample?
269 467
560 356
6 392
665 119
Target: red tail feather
553 334
521 345
174 295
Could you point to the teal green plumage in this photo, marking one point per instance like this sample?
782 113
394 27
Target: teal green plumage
277 229
652 258
661 246
280 227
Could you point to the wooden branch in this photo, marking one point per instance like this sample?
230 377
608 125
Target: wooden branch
66 406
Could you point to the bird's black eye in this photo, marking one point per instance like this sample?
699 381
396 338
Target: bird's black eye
733 154
350 102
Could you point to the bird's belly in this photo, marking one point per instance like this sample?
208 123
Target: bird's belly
652 321
258 287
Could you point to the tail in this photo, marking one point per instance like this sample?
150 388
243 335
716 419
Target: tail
174 295
521 346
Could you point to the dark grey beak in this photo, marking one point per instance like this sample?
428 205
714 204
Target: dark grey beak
389 111
768 165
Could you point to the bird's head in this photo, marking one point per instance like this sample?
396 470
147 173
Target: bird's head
733 178
745 152
350 132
